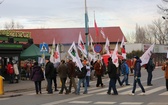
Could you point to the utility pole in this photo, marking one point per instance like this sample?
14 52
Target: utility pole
86 27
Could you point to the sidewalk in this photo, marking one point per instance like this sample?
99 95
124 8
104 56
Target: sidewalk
15 89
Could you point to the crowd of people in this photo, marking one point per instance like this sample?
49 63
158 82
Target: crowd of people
69 70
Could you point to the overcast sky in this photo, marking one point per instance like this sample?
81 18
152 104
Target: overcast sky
70 13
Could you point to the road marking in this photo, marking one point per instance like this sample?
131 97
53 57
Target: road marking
80 102
105 103
157 103
1 99
66 100
165 93
154 90
129 91
120 89
131 103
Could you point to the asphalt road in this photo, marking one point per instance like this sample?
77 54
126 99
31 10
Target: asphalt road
155 95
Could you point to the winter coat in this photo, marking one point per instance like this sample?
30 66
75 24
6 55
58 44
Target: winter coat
165 69
150 66
124 68
112 70
98 69
71 69
37 74
16 70
63 71
49 68
137 68
10 69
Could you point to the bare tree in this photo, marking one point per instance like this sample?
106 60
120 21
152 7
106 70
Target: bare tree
140 35
13 25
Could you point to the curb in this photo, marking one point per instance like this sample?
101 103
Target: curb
10 95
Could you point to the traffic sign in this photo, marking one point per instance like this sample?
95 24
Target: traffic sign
43 47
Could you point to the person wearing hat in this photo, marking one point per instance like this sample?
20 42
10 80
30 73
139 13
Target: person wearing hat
49 67
137 75
165 69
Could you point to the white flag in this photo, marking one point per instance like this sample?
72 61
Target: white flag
57 55
107 45
122 43
91 43
81 45
52 52
146 56
122 46
114 55
102 33
74 54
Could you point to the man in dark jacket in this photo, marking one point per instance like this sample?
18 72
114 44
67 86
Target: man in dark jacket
150 67
112 72
48 74
63 74
71 72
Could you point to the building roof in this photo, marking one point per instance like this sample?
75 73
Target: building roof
68 35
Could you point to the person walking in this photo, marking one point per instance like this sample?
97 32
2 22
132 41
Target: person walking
112 72
16 71
37 76
125 72
49 67
71 74
54 75
165 69
99 73
150 66
88 74
10 71
81 74
137 75
63 74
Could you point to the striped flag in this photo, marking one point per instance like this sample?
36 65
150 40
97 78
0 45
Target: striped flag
96 28
102 33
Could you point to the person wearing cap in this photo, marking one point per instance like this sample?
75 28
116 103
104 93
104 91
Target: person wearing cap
165 69
49 67
137 75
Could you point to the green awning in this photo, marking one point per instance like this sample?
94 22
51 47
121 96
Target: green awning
32 52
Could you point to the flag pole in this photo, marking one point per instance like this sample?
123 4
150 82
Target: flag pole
86 28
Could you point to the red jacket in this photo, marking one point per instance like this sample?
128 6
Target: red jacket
10 69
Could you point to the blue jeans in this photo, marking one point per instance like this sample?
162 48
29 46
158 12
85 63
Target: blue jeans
125 79
112 84
139 83
79 85
87 80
